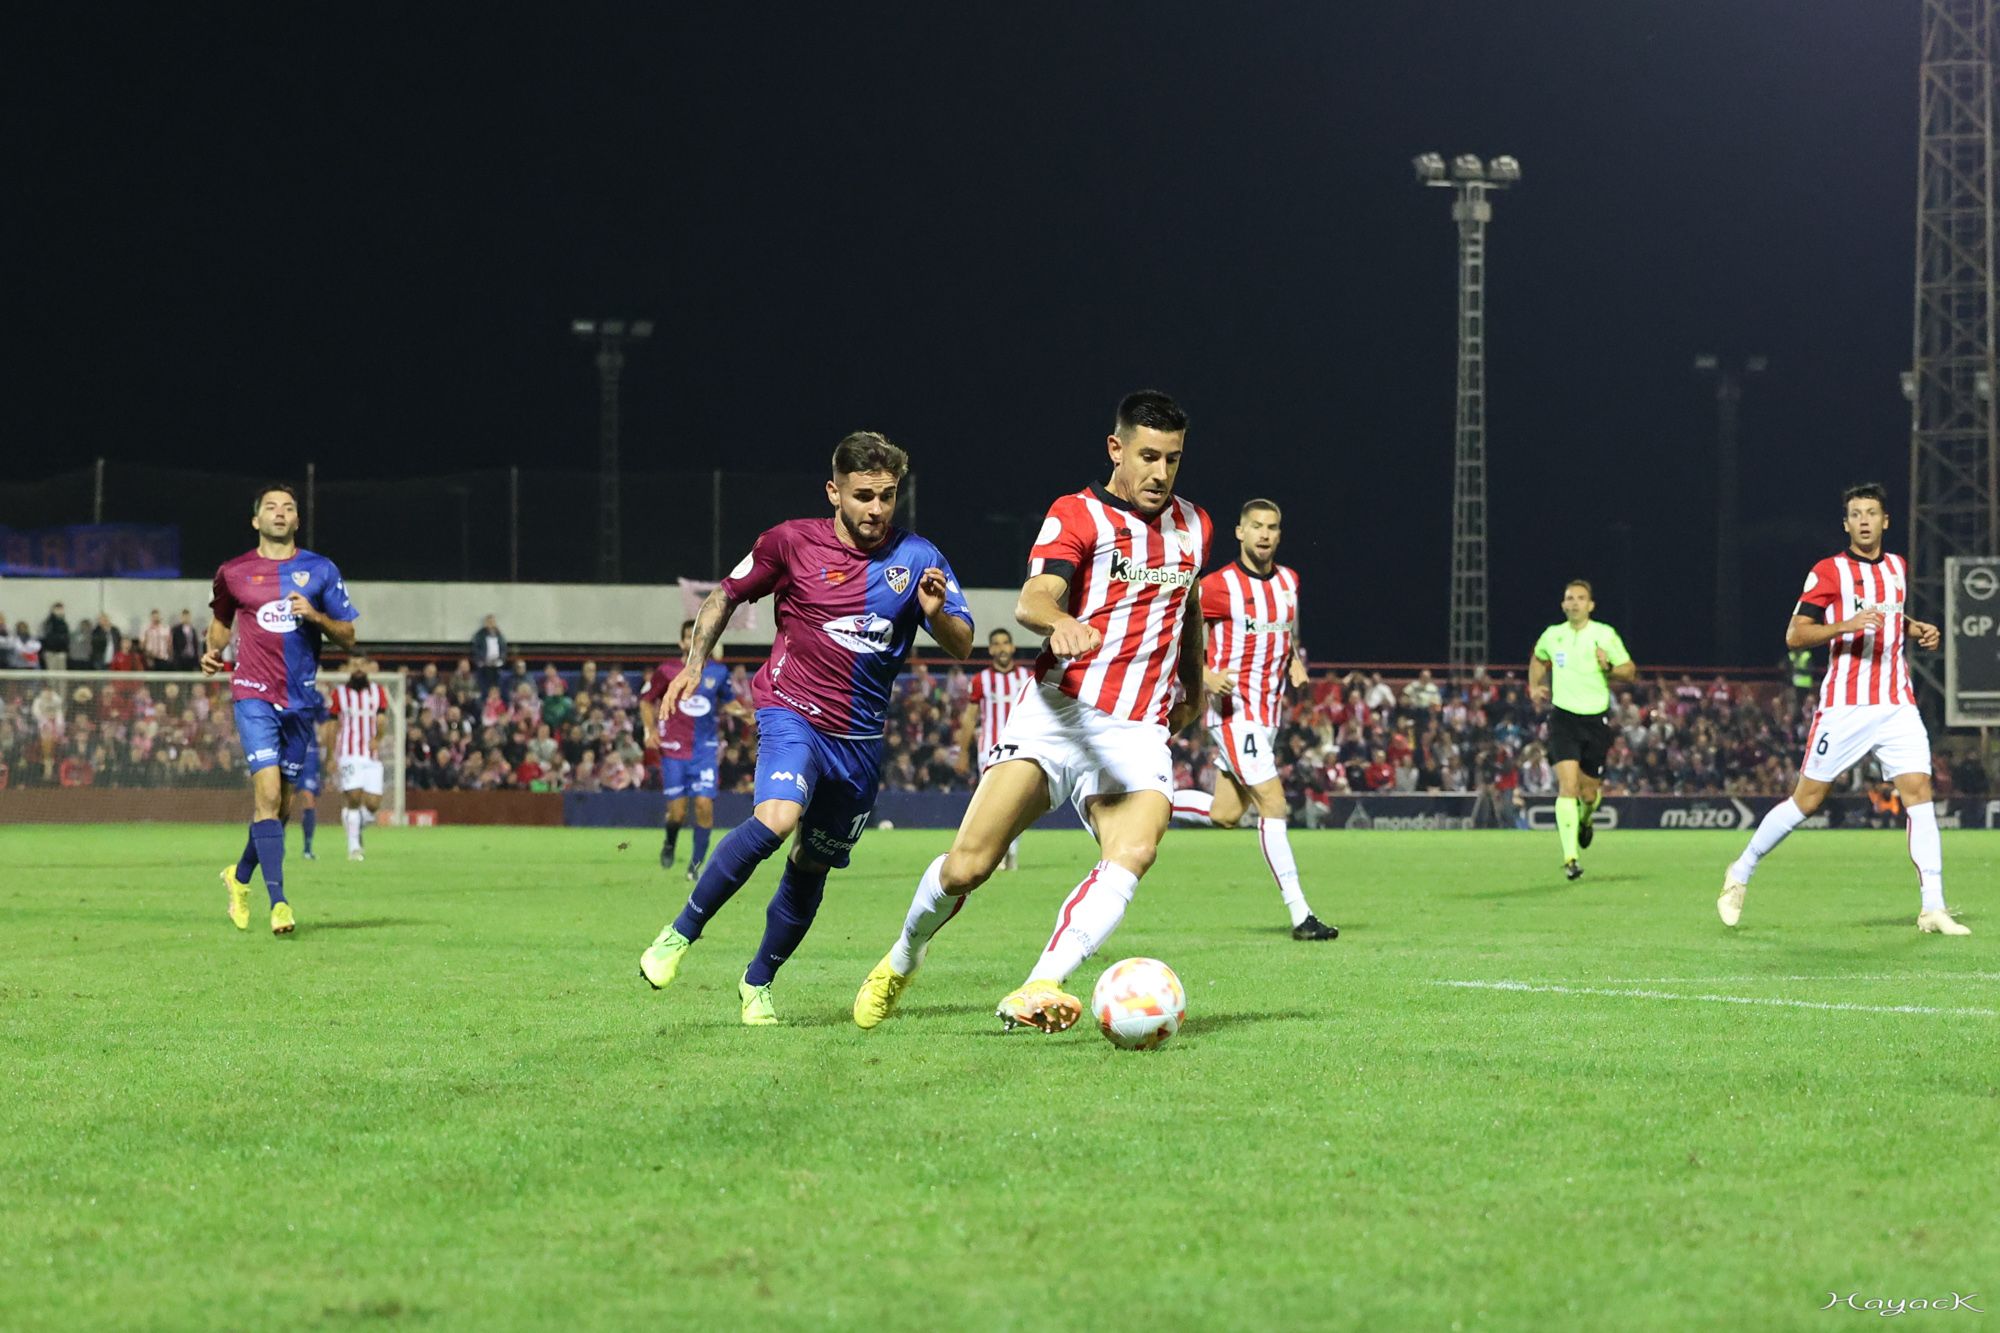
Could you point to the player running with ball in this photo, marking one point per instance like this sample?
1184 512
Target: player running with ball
1854 604
1252 610
849 593
1111 584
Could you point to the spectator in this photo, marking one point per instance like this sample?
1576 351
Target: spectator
1380 698
55 640
1422 695
489 653
10 644
1380 774
552 682
105 642
156 643
187 643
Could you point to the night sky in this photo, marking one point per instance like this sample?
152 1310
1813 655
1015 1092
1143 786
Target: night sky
241 237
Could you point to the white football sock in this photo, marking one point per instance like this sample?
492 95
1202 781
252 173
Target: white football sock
1192 808
1771 830
1087 919
1277 846
1927 853
367 816
929 910
351 818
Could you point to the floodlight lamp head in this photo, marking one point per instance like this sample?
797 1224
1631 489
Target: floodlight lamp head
613 328
1468 167
1505 170
1756 365
642 328
1706 363
583 328
1429 167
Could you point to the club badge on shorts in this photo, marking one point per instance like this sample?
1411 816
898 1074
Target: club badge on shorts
898 579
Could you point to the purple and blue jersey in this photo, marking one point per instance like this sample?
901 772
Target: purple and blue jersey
277 655
845 620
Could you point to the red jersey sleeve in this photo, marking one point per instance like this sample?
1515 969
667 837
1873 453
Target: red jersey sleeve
1065 543
333 704
977 694
1821 591
656 685
381 700
762 570
222 601
1215 596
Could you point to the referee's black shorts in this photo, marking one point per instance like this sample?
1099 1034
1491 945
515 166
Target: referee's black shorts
1582 737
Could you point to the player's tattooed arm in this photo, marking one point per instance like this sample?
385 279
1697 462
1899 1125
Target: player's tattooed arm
716 608
340 631
1040 609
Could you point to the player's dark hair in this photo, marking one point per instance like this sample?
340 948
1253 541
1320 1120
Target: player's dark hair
868 451
1252 506
257 500
1008 635
1153 410
686 625
1584 584
1867 490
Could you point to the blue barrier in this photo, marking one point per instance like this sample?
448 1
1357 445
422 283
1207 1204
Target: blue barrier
904 809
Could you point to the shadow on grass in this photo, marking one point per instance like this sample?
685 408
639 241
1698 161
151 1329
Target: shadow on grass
366 923
1554 886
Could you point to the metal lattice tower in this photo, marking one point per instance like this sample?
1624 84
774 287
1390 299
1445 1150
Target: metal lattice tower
1952 440
610 335
1472 182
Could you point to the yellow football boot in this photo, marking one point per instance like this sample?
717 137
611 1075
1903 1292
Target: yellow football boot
757 1010
1042 1005
878 996
239 899
281 919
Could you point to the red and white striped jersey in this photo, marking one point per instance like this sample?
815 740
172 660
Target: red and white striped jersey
995 693
1131 578
1253 626
359 713
1861 668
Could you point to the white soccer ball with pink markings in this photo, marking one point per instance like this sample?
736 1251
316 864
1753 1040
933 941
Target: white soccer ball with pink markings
1139 1003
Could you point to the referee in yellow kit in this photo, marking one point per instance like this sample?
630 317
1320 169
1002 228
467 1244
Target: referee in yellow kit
1572 667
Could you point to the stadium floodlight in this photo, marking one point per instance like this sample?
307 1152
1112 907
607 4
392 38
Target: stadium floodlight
1729 382
1473 185
610 335
1908 379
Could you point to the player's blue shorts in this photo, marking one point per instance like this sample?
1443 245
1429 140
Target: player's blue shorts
693 776
308 778
834 779
270 737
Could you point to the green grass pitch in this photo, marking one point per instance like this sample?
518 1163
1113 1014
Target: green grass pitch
450 1102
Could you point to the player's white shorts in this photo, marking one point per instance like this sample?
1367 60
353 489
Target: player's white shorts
1844 736
1246 751
359 773
1084 752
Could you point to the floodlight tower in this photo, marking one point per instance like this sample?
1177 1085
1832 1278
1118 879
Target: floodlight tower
1728 549
1472 183
1954 485
610 335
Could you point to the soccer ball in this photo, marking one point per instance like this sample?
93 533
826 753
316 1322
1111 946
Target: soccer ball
1139 1003
884 824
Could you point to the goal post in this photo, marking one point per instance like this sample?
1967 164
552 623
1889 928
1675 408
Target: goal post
118 746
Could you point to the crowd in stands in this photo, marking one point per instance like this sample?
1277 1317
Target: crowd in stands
489 721
58 644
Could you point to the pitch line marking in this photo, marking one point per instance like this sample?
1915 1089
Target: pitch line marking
1806 976
1545 989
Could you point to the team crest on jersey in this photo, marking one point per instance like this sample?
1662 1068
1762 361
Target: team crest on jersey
301 577
898 579
1186 541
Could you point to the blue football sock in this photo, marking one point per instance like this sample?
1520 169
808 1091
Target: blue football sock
735 861
701 844
673 836
269 835
309 820
786 921
246 864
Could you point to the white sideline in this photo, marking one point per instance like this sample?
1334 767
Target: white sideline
1804 976
1547 989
